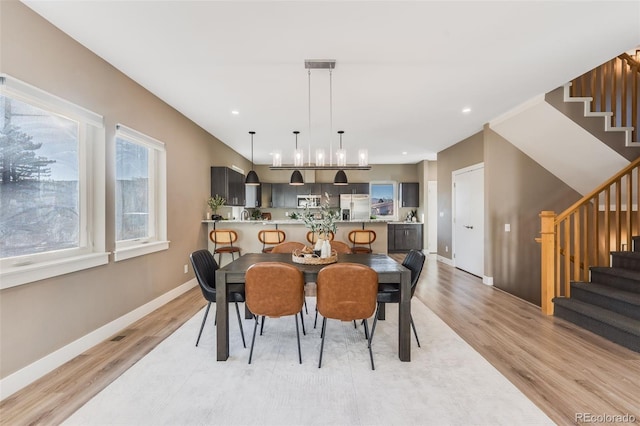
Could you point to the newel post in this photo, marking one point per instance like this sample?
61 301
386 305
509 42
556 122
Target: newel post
547 260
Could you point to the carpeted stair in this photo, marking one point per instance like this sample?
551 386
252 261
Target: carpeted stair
608 305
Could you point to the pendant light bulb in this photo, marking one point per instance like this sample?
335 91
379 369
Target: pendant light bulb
298 161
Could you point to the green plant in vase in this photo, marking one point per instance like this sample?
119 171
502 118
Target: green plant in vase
214 204
322 223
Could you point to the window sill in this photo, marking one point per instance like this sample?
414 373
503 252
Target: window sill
17 275
139 250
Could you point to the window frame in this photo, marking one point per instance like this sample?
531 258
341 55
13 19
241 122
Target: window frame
157 240
91 252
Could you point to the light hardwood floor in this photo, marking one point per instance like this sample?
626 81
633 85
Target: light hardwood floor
563 369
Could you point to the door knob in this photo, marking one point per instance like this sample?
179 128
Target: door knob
468 226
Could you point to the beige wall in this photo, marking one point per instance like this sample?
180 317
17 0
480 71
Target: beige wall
463 154
41 317
517 189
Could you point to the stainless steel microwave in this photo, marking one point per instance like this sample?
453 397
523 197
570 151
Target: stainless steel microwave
310 201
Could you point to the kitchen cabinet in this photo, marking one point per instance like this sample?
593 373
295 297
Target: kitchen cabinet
284 196
404 237
309 189
333 191
253 196
266 200
229 184
409 194
355 188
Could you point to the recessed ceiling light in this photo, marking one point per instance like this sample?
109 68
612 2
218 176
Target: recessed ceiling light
404 152
235 112
466 110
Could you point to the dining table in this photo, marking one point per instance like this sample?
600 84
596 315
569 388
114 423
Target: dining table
231 278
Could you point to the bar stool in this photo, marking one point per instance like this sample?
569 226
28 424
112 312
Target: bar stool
312 236
271 237
223 240
361 240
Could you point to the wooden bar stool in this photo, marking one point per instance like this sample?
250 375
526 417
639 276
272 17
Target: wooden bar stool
361 240
271 237
223 240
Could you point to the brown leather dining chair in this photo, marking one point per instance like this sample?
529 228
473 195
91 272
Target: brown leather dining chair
347 292
361 240
271 237
287 247
223 240
274 289
340 247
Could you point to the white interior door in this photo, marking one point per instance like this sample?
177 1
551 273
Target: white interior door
468 219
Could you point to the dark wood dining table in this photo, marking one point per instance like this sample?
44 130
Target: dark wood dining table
231 278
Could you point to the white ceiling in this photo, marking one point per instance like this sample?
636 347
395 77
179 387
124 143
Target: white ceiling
404 69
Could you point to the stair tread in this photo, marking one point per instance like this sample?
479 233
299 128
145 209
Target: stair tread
606 316
608 291
619 272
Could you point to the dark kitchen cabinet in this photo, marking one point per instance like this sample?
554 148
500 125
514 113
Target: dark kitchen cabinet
409 194
308 189
404 237
356 188
284 196
333 191
229 184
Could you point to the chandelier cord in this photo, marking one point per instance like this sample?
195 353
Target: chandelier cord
309 147
330 117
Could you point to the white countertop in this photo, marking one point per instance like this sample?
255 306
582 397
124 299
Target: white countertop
300 222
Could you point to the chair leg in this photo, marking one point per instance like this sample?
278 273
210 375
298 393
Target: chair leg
295 317
415 333
262 325
315 320
253 340
324 326
203 321
305 306
375 321
302 321
240 323
366 326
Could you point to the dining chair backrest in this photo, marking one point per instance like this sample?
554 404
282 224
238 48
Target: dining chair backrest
414 261
340 247
347 291
271 237
205 267
362 236
287 247
274 289
223 236
312 236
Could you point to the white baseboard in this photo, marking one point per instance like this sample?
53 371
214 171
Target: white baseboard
445 260
27 375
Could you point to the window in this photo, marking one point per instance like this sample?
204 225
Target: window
51 185
383 196
140 191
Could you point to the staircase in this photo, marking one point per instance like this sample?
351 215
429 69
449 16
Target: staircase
608 305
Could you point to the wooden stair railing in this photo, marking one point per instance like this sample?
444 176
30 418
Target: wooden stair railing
583 235
613 87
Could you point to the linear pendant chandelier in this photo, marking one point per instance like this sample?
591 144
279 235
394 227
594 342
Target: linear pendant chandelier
320 164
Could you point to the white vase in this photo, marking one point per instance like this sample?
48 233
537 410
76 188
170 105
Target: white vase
318 246
326 249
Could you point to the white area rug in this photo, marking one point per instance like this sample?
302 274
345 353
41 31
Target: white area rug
447 382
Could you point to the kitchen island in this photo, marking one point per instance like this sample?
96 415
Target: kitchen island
247 231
